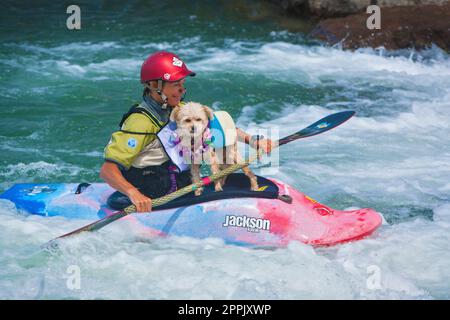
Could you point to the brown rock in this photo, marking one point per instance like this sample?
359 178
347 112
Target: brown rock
340 8
333 8
401 27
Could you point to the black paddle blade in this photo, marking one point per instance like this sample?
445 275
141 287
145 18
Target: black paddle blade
324 124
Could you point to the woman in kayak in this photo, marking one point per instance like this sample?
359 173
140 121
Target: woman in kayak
136 164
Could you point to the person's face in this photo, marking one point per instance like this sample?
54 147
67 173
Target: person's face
174 91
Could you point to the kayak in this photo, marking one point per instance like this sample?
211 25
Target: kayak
272 216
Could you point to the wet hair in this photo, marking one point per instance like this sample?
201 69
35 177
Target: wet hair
147 91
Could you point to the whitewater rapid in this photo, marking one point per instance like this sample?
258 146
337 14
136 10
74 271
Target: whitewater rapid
393 156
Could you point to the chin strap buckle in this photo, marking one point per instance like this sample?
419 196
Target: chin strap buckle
163 96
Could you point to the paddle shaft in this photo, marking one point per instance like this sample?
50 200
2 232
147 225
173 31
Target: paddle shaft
162 200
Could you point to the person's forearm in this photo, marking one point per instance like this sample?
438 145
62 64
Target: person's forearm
259 143
110 172
243 136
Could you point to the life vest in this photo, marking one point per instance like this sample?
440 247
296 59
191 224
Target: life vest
138 108
221 132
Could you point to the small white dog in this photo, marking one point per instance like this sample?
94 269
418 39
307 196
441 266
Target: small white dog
195 144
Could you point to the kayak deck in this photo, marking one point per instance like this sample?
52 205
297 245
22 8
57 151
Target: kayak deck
257 219
237 185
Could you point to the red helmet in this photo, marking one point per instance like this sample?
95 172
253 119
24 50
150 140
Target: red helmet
164 66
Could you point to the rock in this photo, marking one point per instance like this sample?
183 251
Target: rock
339 8
332 8
293 7
401 27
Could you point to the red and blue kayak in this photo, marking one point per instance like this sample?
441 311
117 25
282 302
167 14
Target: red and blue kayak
273 216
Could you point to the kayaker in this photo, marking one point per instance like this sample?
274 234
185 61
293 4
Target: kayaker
136 164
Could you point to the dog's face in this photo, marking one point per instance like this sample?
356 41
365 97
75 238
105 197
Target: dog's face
192 119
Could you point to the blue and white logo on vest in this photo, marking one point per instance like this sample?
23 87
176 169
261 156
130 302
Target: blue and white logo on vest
132 143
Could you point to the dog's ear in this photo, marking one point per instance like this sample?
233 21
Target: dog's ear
209 112
174 113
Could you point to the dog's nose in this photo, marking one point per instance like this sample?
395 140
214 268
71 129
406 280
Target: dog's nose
192 129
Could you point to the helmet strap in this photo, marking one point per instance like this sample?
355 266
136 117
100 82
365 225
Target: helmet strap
163 96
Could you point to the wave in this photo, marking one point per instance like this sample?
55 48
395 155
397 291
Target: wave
39 170
279 60
393 264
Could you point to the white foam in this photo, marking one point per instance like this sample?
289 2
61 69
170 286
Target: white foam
442 214
70 48
398 257
39 169
285 58
72 69
126 67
